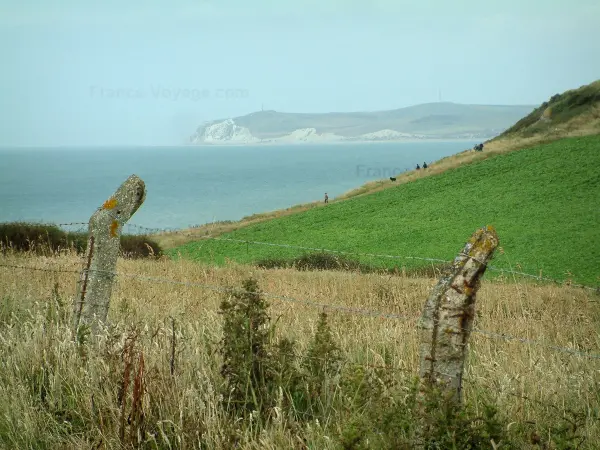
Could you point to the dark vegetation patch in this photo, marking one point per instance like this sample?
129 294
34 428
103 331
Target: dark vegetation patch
45 239
331 261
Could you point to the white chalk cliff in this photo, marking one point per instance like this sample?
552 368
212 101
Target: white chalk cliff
223 132
427 121
228 132
386 135
308 135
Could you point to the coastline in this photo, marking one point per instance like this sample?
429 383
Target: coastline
334 142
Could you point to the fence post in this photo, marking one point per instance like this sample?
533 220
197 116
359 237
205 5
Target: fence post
104 239
447 319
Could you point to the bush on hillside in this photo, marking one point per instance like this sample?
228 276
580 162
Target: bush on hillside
38 238
329 261
44 239
139 246
314 261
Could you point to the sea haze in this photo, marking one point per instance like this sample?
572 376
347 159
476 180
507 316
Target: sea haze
195 185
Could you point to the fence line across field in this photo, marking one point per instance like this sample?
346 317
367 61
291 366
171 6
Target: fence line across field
381 255
325 306
387 368
349 253
363 312
226 289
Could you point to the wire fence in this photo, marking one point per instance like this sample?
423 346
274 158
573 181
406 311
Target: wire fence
407 371
508 272
316 304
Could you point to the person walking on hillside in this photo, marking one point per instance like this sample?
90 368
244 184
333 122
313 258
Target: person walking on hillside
326 198
424 165
418 168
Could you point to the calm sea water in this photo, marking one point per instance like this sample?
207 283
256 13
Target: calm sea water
195 185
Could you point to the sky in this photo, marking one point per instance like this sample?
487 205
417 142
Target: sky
149 72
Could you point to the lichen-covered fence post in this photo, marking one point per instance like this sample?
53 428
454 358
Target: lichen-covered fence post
105 226
447 319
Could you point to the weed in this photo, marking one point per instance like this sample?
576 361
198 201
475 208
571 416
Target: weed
247 366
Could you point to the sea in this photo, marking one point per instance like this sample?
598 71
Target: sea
194 185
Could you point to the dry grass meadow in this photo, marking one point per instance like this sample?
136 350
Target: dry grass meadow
55 393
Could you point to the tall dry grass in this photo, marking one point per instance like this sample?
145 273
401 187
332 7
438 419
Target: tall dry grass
56 394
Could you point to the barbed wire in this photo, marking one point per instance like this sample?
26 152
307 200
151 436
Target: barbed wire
365 365
508 338
83 227
308 302
38 269
326 250
321 305
387 368
380 255
363 312
372 255
155 230
411 371
360 311
71 224
346 253
541 278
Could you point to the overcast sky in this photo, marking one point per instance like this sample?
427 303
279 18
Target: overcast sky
148 72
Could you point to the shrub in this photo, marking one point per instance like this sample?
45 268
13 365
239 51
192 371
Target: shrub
139 246
37 238
245 350
261 373
322 365
44 239
329 261
313 261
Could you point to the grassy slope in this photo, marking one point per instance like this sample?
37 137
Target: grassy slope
581 103
429 119
543 202
573 113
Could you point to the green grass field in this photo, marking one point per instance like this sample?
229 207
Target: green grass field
544 203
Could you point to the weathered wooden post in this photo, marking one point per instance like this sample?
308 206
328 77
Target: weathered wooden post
105 226
447 319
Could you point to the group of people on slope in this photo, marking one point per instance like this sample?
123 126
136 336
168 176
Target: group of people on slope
478 148
391 178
